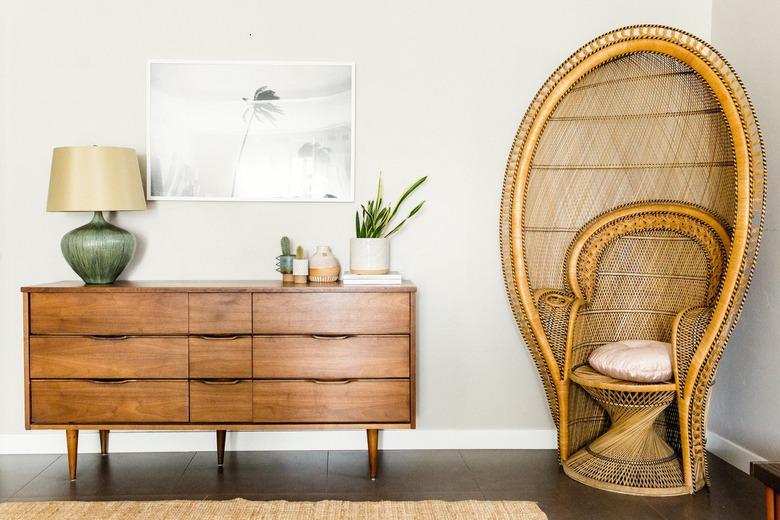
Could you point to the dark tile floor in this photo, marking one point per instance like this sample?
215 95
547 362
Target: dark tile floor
404 475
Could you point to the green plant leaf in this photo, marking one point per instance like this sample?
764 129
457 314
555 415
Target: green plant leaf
416 184
368 219
381 217
374 217
410 215
357 224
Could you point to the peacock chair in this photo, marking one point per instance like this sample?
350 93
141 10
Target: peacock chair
632 208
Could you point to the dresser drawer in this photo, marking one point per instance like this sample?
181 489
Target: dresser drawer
108 313
329 357
89 402
73 357
220 401
221 357
331 313
220 313
362 401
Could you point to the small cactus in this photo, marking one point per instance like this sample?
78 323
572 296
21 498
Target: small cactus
285 246
299 254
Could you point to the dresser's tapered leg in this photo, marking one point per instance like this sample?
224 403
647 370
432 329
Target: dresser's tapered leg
220 447
104 442
373 448
73 447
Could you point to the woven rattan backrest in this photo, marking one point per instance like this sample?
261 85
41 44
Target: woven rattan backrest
636 268
641 127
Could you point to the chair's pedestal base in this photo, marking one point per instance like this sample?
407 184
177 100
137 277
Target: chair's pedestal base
626 490
630 457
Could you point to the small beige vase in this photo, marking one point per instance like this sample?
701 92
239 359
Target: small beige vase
323 265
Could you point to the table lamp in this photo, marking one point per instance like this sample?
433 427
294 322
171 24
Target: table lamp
96 178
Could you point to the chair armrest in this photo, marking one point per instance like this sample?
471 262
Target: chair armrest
555 311
687 331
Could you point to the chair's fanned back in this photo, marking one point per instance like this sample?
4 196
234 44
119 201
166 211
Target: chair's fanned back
641 127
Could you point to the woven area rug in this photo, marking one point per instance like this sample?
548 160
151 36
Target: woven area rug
278 509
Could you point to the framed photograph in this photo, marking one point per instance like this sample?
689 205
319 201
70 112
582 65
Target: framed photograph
251 131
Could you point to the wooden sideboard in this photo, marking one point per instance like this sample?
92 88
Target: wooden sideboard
256 355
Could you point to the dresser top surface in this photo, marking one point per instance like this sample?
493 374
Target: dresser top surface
216 286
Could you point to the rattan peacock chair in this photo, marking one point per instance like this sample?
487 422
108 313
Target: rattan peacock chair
632 208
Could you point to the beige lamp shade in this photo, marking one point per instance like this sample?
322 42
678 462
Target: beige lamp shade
95 178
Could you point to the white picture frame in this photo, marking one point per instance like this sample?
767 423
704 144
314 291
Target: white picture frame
217 131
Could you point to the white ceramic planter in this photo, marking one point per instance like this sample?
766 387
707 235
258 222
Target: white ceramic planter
369 255
300 270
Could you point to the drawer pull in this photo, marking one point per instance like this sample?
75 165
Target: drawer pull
110 338
110 381
219 338
317 336
331 381
233 382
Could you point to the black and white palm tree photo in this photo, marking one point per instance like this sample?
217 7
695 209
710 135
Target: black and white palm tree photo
250 131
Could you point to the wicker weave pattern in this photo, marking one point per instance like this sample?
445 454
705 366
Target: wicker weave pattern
626 125
588 420
647 255
688 331
634 284
555 311
641 115
631 453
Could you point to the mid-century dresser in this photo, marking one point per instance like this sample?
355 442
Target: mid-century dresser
218 356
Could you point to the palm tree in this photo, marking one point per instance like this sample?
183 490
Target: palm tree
259 108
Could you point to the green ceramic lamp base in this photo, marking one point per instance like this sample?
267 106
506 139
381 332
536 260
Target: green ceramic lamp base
98 251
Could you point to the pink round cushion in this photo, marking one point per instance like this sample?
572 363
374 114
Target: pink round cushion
638 360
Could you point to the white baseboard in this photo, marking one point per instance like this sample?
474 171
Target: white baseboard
156 441
152 441
736 455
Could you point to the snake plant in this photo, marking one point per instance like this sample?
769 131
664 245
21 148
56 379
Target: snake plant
373 217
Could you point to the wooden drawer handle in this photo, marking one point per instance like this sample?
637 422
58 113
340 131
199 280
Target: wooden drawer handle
233 382
317 336
109 338
217 338
315 381
110 381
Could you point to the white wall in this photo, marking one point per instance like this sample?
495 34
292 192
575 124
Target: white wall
744 401
441 88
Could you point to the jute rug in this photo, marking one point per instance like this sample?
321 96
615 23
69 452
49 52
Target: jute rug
276 510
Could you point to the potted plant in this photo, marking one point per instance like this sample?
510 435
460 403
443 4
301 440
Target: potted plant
300 266
284 262
369 251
